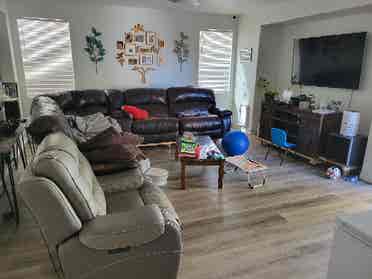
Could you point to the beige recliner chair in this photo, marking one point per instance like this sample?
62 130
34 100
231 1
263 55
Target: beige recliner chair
136 234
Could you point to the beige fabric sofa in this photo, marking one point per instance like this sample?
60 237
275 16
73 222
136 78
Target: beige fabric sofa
136 234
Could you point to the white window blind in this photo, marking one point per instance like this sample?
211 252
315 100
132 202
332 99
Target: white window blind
215 58
46 56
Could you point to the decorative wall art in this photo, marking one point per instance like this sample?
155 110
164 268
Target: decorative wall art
95 48
181 49
140 50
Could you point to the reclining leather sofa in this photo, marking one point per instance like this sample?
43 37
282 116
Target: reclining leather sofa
172 112
133 234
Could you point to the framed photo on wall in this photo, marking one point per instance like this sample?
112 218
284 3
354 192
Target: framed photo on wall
128 37
132 61
147 59
161 44
140 38
130 49
119 45
150 38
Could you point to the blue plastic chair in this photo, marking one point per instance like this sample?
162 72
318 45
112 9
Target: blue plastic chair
279 138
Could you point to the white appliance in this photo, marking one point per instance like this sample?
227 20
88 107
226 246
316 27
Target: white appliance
352 249
366 174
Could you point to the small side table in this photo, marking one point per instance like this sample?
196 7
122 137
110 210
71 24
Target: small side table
10 147
208 144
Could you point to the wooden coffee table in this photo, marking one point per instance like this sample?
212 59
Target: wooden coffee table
206 143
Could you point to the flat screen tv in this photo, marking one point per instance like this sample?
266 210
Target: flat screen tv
330 61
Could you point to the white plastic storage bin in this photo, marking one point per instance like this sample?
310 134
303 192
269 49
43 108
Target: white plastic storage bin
156 176
351 256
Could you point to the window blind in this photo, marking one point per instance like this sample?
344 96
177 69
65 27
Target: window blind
46 55
215 59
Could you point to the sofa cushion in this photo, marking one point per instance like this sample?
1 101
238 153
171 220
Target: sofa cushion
200 124
116 99
89 102
123 181
65 100
91 97
125 154
155 126
82 102
152 100
124 201
183 99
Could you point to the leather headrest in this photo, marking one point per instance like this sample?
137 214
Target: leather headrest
60 142
91 97
146 96
190 94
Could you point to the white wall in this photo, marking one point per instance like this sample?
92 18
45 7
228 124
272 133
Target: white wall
3 5
276 57
248 37
113 21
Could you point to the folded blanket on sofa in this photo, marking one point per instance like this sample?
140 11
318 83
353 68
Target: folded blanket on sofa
103 142
85 128
110 137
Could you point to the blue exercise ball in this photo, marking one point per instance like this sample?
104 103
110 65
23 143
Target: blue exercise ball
235 143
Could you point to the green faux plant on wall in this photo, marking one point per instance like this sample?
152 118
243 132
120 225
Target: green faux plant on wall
181 49
95 47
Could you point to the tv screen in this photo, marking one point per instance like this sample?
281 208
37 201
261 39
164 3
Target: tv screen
329 61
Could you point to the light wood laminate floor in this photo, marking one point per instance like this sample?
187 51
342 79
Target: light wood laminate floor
283 230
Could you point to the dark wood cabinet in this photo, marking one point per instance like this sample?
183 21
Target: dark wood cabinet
306 129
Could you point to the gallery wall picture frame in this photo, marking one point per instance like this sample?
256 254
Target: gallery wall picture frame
128 37
130 49
140 38
132 61
140 50
147 59
119 45
161 44
150 38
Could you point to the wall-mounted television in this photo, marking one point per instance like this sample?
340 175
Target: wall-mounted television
330 61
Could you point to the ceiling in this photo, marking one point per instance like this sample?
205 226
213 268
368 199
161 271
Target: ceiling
265 11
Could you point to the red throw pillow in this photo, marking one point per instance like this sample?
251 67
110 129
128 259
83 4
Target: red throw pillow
138 114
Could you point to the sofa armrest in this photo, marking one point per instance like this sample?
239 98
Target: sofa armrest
124 230
226 118
221 113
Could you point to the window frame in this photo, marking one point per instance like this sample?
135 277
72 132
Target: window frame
233 58
21 51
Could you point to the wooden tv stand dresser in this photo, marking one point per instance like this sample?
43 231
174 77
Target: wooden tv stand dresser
308 130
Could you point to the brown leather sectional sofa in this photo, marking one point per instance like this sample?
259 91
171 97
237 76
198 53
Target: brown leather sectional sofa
172 112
